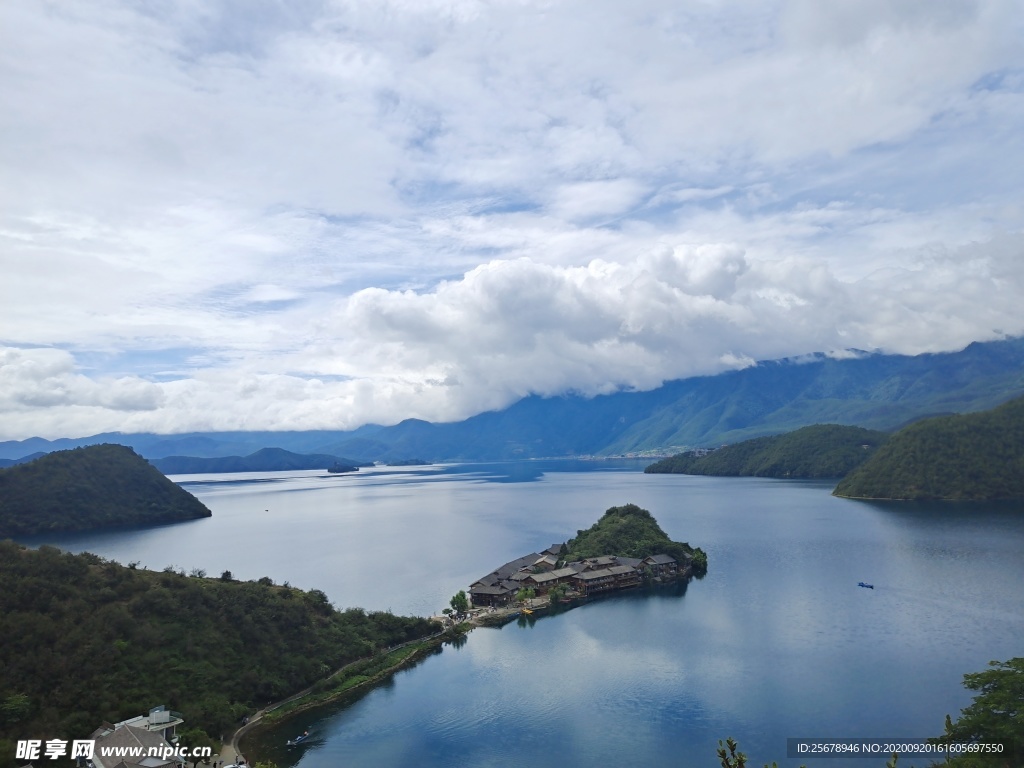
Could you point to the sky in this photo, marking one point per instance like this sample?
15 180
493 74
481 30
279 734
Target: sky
245 214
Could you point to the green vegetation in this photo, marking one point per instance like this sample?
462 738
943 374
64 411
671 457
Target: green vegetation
700 561
263 460
729 756
355 675
100 486
818 451
525 594
976 456
460 602
629 531
195 739
996 714
87 640
557 592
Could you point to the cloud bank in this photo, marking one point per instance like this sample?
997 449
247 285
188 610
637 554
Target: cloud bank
322 214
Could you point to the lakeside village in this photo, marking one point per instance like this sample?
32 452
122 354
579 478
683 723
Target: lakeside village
526 585
534 582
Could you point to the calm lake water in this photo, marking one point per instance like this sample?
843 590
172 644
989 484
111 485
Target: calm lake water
777 641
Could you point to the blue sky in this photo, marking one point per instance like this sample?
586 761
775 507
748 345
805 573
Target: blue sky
261 215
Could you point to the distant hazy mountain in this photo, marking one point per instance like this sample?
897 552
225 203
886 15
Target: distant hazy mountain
22 460
873 391
818 451
263 460
977 456
100 486
870 390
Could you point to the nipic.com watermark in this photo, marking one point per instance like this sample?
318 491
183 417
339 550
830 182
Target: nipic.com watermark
36 749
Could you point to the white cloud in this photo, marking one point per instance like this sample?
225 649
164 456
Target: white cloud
589 199
450 204
507 329
46 378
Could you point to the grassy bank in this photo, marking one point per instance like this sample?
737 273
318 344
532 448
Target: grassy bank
362 673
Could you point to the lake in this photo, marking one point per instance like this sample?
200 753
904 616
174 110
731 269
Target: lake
777 641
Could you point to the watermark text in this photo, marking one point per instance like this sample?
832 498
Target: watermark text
36 749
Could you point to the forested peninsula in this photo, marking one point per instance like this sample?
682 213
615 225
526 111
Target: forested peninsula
818 451
263 460
87 640
630 531
963 457
100 486
969 457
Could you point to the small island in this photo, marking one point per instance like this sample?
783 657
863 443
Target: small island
337 468
626 548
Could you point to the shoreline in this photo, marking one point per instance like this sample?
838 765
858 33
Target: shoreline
281 711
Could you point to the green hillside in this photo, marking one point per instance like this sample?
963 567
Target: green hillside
873 391
978 456
263 460
818 451
100 486
629 531
87 640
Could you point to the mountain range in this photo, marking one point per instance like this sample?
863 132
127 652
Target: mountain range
263 460
871 390
818 451
970 457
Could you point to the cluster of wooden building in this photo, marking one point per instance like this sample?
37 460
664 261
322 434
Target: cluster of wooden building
543 571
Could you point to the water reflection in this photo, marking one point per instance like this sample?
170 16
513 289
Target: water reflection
776 641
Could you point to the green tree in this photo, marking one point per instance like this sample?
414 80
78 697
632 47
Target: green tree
730 756
557 592
996 714
460 603
196 739
15 707
526 593
214 650
700 561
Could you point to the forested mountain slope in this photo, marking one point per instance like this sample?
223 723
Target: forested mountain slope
99 486
975 456
818 451
87 640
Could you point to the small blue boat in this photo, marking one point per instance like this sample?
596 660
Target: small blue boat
866 586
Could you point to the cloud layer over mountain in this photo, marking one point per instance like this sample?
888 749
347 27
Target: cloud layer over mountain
293 215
